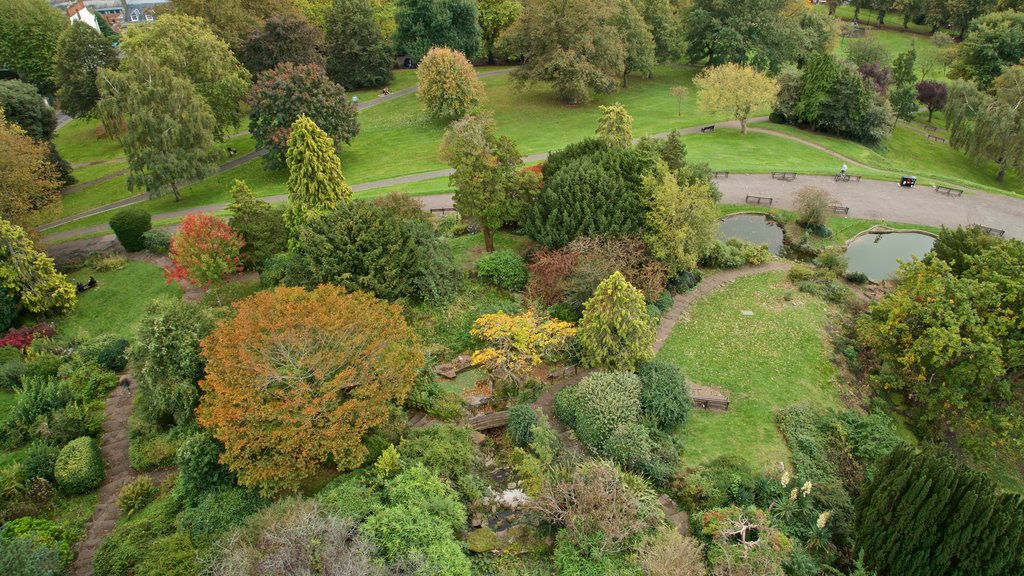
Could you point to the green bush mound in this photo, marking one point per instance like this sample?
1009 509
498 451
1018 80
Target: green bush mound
135 495
604 400
129 225
107 351
157 241
348 497
23 557
504 269
39 462
131 542
734 253
217 512
199 468
664 394
79 466
40 532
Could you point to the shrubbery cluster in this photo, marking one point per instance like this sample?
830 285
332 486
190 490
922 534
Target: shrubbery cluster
79 466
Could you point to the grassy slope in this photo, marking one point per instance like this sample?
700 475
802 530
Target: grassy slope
117 304
762 362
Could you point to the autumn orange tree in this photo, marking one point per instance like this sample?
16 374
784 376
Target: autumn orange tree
204 251
515 344
29 187
296 379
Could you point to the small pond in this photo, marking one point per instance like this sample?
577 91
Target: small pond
755 228
878 255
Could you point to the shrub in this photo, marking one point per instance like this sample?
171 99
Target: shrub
630 446
23 557
217 512
448 86
130 542
347 497
856 277
88 380
799 273
36 397
72 421
428 395
108 351
8 308
42 366
664 302
129 225
504 269
567 401
723 255
664 394
400 529
21 338
615 330
171 555
105 262
832 259
276 269
259 224
135 495
11 366
446 449
79 466
420 487
521 420
150 449
669 553
604 401
40 532
199 469
39 462
157 241
813 206
362 246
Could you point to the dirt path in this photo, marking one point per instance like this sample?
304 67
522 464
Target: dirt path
114 447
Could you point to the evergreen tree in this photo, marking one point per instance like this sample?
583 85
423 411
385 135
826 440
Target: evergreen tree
616 331
920 515
169 127
490 186
315 183
81 52
426 24
903 68
358 54
615 126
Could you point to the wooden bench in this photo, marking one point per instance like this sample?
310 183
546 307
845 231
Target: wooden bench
840 209
854 178
721 174
759 200
441 211
711 403
935 138
784 175
930 128
993 231
488 421
949 191
563 372
707 129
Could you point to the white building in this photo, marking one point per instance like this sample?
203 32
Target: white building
77 12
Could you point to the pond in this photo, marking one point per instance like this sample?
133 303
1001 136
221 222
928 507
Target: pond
878 255
755 228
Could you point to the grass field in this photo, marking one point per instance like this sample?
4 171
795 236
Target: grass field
117 304
762 362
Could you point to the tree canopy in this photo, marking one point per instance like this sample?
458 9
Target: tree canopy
296 379
29 41
80 54
284 38
681 220
494 17
234 20
990 126
168 133
316 185
995 42
288 91
425 24
187 47
448 86
23 105
29 187
30 274
735 90
358 53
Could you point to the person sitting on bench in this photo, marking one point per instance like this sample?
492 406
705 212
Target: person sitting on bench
232 151
92 283
386 91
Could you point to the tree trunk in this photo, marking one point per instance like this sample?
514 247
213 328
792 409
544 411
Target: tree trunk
906 21
177 195
624 76
881 17
1002 172
856 14
488 239
743 125
929 115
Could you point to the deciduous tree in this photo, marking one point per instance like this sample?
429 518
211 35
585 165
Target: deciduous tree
995 42
517 344
616 332
736 90
663 22
29 41
681 220
187 47
933 95
494 17
990 127
426 24
81 52
284 38
29 189
574 44
259 224
763 33
615 126
169 128
288 91
636 39
448 86
234 20
316 185
297 378
30 275
23 105
490 185
358 53
204 251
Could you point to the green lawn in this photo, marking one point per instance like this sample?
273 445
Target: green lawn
772 359
118 303
77 142
470 248
909 152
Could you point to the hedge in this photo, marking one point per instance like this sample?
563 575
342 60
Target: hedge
79 466
129 225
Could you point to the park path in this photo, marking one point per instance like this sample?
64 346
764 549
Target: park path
114 447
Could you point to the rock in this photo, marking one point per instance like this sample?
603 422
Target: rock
478 438
482 540
478 520
512 499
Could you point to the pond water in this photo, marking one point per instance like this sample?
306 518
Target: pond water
754 228
878 255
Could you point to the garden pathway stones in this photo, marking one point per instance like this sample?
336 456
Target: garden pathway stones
114 447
